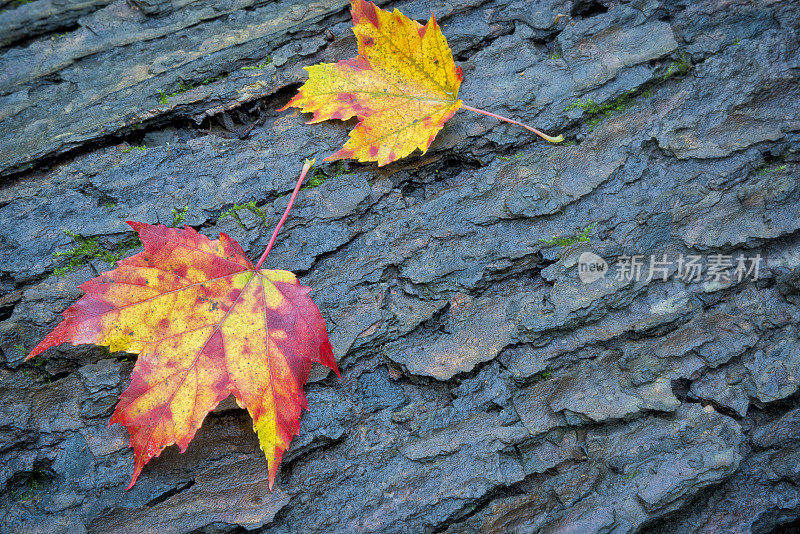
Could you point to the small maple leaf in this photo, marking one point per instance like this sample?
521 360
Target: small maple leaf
402 86
206 323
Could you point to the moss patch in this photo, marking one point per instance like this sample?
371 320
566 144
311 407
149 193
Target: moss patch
509 158
27 489
583 236
35 369
545 374
86 249
251 206
766 169
631 475
260 66
679 67
163 97
317 179
598 112
178 216
320 176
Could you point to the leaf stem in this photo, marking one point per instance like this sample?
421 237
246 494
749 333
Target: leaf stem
512 121
306 166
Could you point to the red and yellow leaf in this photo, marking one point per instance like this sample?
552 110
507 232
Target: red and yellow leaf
206 324
402 86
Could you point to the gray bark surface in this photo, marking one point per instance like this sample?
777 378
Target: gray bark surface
484 387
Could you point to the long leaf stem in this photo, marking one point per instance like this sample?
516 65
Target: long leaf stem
512 121
306 166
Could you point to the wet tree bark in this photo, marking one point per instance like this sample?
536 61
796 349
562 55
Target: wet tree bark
485 387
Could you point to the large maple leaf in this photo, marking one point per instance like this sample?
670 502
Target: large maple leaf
206 324
402 86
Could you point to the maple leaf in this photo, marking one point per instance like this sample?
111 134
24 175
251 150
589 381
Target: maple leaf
402 86
206 324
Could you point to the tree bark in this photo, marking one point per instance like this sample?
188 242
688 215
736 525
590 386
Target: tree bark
485 387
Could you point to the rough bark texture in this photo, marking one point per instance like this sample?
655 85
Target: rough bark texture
484 387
